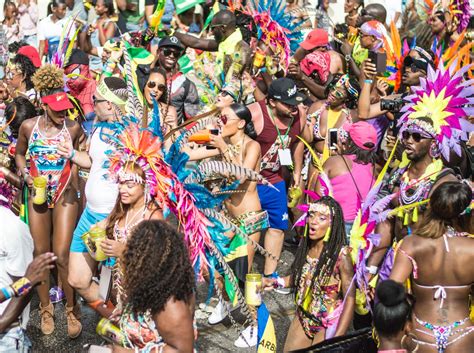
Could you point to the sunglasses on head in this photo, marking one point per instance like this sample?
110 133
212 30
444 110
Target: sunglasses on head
152 84
416 136
169 52
95 100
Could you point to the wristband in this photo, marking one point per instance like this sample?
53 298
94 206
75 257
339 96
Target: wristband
372 270
73 153
7 292
26 173
368 81
21 287
279 283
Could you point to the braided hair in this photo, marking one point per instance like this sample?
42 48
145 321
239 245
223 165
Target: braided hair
157 267
331 249
27 69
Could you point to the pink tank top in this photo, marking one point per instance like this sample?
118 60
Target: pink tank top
345 191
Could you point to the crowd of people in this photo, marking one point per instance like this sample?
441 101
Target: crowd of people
148 149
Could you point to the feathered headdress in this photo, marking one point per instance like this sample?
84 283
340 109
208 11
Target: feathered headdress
275 27
459 10
447 99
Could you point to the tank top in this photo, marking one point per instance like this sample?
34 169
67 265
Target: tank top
345 191
101 192
45 161
270 143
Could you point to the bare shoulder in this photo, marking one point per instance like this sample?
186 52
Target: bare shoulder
315 106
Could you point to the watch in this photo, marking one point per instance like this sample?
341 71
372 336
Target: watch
348 57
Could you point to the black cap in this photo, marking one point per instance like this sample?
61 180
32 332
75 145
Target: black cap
170 42
78 57
285 90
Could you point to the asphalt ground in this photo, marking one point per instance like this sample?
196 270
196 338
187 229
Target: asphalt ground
212 338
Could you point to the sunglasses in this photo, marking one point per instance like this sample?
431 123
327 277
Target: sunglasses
161 87
339 94
416 136
11 74
176 53
212 27
97 101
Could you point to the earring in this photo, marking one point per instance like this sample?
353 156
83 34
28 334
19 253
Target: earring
326 236
413 338
434 151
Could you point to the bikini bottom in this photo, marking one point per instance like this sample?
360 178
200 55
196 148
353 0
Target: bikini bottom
441 334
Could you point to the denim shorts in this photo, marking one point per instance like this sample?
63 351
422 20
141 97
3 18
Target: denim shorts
15 340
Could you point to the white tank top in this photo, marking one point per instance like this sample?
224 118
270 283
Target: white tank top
101 192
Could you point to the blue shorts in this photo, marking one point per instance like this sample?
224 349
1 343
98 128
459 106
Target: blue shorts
88 219
275 203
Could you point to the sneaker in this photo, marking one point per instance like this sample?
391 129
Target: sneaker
56 295
74 326
292 242
220 312
47 319
247 338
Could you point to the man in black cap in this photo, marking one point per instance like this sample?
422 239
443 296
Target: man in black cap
184 95
278 120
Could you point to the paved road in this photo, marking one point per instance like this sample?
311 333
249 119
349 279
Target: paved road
212 339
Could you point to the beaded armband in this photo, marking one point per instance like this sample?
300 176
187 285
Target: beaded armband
21 287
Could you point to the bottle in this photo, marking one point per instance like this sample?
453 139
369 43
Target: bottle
111 333
39 190
253 284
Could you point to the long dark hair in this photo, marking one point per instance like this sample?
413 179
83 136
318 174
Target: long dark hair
331 248
243 113
157 268
23 109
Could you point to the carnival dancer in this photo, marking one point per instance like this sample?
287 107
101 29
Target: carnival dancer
278 121
432 126
182 92
236 145
81 85
437 259
159 307
157 88
338 109
20 71
392 316
133 206
101 192
53 206
322 276
228 41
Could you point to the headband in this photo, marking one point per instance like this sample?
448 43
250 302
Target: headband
107 93
124 177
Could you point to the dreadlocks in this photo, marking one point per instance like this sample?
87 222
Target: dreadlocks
157 267
331 248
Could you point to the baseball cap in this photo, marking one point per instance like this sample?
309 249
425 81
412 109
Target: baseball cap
58 101
285 90
316 38
31 53
363 134
170 41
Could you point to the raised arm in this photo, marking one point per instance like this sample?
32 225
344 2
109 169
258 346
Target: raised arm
197 43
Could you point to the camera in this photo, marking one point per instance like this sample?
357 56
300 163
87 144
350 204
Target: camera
391 105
